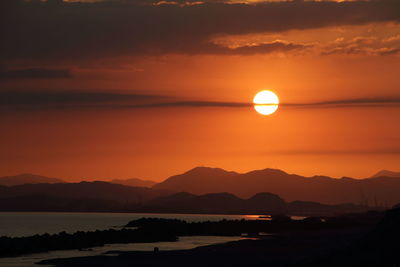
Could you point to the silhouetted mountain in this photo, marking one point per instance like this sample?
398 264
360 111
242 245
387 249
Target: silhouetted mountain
198 181
27 178
386 173
86 190
102 196
266 203
188 203
174 199
261 203
133 182
54 203
216 203
379 191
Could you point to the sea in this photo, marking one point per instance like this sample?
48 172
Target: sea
19 224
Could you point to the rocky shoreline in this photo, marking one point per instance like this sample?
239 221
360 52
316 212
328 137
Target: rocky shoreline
347 244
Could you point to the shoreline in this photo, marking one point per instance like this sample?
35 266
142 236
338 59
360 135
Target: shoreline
286 249
184 243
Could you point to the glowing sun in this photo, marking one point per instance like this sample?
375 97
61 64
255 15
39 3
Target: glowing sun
266 102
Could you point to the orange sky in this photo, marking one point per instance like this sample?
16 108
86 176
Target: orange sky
56 122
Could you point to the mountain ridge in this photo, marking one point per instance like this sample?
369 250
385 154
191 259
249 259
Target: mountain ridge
94 190
382 191
377 190
27 178
133 182
386 173
107 197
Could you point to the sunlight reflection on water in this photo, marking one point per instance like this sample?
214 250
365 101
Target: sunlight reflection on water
186 242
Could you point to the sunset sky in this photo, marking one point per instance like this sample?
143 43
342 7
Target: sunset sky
149 89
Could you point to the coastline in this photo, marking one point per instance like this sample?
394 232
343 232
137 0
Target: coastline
285 250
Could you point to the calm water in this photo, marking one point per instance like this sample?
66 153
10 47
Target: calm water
16 224
186 242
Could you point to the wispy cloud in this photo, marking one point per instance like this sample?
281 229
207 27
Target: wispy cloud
351 102
31 100
35 73
363 45
347 151
107 100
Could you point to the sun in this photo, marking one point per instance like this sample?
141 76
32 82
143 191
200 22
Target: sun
266 102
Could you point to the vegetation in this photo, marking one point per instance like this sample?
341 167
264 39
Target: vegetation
79 240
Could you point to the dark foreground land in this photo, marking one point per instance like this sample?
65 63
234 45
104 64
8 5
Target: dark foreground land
353 240
17 246
275 251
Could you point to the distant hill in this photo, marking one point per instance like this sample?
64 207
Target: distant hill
261 203
107 197
377 191
62 204
28 179
219 203
386 173
206 190
200 180
85 190
134 182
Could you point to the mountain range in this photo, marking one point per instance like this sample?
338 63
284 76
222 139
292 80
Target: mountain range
380 190
84 190
376 191
134 182
108 197
260 203
386 173
28 178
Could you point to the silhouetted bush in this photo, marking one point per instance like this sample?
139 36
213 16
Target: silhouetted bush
42 243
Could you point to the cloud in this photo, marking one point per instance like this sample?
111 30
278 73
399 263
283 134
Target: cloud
31 100
264 48
35 73
388 51
352 102
356 102
348 151
363 45
58 31
45 100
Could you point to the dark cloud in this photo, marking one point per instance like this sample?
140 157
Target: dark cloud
348 151
29 100
352 102
35 73
359 103
55 30
108 100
